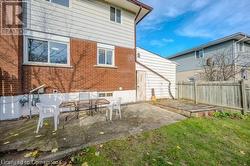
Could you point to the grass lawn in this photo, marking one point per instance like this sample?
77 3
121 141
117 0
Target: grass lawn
195 141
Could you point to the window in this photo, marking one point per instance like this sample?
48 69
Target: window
115 15
42 51
109 94
58 53
199 54
105 55
103 94
241 47
60 2
38 51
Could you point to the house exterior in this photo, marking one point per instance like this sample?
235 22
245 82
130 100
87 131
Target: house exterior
70 46
155 76
190 62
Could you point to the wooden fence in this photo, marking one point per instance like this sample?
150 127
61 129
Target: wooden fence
234 95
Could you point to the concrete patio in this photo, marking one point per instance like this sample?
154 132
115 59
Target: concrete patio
18 137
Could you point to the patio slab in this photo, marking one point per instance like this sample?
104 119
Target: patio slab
18 137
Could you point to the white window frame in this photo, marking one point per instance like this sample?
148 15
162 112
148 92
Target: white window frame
197 52
115 14
50 1
106 48
26 52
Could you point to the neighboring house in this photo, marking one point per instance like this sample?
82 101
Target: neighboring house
71 46
190 62
154 73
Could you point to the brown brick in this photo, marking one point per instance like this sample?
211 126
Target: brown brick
84 75
10 65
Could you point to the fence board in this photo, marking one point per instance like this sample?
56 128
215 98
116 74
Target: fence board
248 95
227 94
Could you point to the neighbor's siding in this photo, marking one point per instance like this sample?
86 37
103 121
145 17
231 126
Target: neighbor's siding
160 65
189 62
84 19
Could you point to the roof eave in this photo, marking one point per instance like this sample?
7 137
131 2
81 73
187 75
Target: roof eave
227 38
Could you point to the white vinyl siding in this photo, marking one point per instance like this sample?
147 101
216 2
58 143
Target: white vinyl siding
83 19
160 65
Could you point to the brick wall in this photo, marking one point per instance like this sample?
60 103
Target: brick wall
84 75
10 65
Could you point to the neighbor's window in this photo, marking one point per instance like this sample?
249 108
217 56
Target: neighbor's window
105 55
60 2
41 51
199 54
115 15
241 47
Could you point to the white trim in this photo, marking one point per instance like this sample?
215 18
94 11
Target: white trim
106 48
46 36
51 37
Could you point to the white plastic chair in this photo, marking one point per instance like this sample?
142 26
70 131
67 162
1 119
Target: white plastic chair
114 106
47 111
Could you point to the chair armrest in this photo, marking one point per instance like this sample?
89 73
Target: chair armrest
49 106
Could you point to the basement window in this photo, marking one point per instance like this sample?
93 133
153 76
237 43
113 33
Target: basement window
103 94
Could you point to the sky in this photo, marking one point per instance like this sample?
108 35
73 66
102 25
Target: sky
177 25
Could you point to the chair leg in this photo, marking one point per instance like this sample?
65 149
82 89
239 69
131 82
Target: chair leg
41 123
110 114
120 113
38 125
106 115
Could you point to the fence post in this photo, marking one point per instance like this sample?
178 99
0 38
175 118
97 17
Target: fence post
243 96
195 92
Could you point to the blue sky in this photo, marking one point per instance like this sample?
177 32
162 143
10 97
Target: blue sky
176 25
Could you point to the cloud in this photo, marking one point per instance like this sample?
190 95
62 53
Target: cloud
219 19
206 19
161 42
165 10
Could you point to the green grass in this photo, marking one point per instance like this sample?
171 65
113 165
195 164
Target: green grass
196 141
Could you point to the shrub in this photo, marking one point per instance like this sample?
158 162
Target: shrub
232 115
